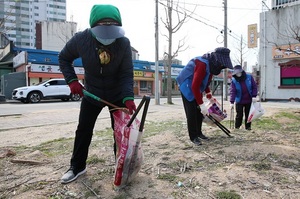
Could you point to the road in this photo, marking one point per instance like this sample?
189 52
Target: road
16 107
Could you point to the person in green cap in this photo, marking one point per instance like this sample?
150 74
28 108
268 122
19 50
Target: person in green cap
108 73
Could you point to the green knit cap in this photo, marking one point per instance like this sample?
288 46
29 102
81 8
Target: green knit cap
99 12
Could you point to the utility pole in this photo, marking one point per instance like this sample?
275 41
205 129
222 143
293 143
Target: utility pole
225 72
156 56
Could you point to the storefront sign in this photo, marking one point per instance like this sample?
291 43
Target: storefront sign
286 51
252 36
174 70
148 74
42 68
20 59
138 73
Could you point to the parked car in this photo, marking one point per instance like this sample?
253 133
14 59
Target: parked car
50 89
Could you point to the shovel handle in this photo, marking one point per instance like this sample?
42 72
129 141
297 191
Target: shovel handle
86 93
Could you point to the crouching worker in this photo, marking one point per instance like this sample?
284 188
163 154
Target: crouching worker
193 81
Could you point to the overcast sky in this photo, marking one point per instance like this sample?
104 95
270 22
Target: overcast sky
202 32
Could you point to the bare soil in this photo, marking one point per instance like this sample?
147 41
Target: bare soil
262 163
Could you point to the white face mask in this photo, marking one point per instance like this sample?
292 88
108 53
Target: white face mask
238 74
105 42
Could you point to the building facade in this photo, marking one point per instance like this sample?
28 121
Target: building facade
279 49
40 65
54 35
20 18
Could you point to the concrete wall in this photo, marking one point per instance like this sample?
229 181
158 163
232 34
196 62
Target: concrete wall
276 30
54 35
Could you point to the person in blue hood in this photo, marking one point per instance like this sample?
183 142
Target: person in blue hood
243 90
193 81
108 74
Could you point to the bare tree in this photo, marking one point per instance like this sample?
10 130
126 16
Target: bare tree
7 16
291 35
65 35
239 57
168 24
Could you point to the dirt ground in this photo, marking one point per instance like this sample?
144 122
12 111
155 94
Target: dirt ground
262 163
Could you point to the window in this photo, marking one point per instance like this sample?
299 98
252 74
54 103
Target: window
143 84
146 86
281 2
290 74
62 82
53 83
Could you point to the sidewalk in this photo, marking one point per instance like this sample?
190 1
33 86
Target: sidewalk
159 112
31 128
69 114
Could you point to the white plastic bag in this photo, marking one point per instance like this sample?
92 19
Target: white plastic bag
255 112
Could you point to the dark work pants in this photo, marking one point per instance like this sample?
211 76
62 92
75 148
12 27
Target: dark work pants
194 118
240 110
83 135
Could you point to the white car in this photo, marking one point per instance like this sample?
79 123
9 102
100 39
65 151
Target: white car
50 89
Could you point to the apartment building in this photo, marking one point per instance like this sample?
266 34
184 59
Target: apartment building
19 18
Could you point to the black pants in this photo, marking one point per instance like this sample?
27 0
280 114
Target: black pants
194 118
240 110
87 119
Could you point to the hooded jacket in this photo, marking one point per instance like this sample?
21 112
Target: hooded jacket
242 89
112 81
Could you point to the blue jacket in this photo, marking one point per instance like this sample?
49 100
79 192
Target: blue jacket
236 90
185 78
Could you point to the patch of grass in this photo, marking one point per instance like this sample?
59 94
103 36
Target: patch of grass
167 177
60 145
205 165
289 164
102 172
153 128
121 196
266 123
106 133
94 159
289 115
228 195
282 179
262 166
167 153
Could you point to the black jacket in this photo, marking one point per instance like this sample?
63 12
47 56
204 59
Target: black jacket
112 81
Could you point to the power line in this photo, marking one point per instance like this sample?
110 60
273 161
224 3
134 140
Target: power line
221 30
191 16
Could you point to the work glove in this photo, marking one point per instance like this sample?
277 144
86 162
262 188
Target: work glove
254 100
130 105
210 98
76 88
208 95
231 106
203 109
